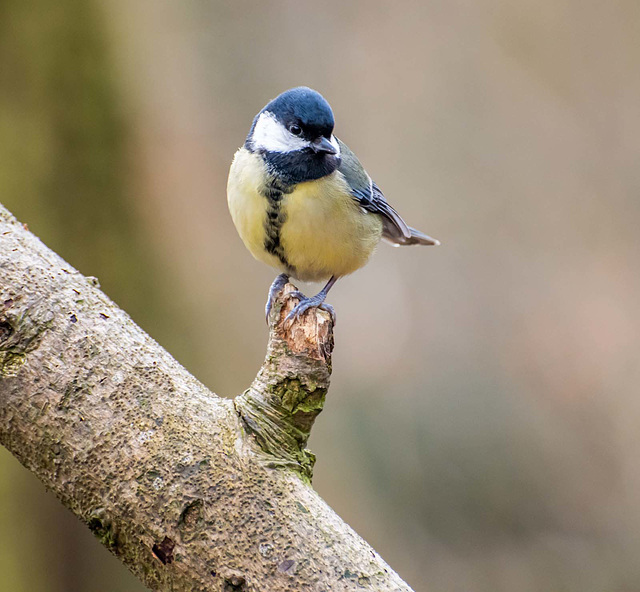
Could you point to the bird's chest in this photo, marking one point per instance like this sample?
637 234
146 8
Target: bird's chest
252 210
311 230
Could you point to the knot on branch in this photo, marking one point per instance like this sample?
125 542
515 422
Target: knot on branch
23 321
288 393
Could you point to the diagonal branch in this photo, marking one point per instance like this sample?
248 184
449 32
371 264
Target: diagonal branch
191 491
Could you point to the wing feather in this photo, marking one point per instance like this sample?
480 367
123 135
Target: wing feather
371 198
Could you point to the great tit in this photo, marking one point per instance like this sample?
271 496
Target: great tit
302 202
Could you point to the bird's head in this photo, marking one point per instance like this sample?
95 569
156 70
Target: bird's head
294 133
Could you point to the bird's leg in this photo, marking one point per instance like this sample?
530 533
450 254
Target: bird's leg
275 288
317 300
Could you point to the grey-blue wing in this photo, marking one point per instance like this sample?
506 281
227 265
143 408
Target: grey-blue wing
371 198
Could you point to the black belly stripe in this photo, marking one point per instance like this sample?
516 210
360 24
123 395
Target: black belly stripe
274 219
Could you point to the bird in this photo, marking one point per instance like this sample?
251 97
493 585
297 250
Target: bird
302 202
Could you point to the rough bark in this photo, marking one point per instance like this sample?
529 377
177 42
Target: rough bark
192 492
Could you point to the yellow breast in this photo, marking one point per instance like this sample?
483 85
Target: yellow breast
324 232
248 205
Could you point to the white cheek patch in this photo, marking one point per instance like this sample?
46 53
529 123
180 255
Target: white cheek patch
270 135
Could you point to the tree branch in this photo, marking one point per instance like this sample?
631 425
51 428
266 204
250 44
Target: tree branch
192 492
288 393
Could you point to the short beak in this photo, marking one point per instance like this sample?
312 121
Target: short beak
323 145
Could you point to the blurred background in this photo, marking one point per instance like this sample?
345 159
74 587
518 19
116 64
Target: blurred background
482 429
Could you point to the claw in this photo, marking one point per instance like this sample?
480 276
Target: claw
329 309
274 290
296 294
305 304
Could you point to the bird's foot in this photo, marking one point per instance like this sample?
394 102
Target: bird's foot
306 303
274 290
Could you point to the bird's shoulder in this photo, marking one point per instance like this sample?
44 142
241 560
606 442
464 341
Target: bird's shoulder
368 195
359 181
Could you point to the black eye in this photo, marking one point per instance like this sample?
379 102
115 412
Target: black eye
296 130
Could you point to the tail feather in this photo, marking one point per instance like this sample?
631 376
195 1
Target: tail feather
391 234
420 238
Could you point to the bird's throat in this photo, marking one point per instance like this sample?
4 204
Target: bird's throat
299 166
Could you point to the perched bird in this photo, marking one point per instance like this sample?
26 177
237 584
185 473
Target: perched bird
302 202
